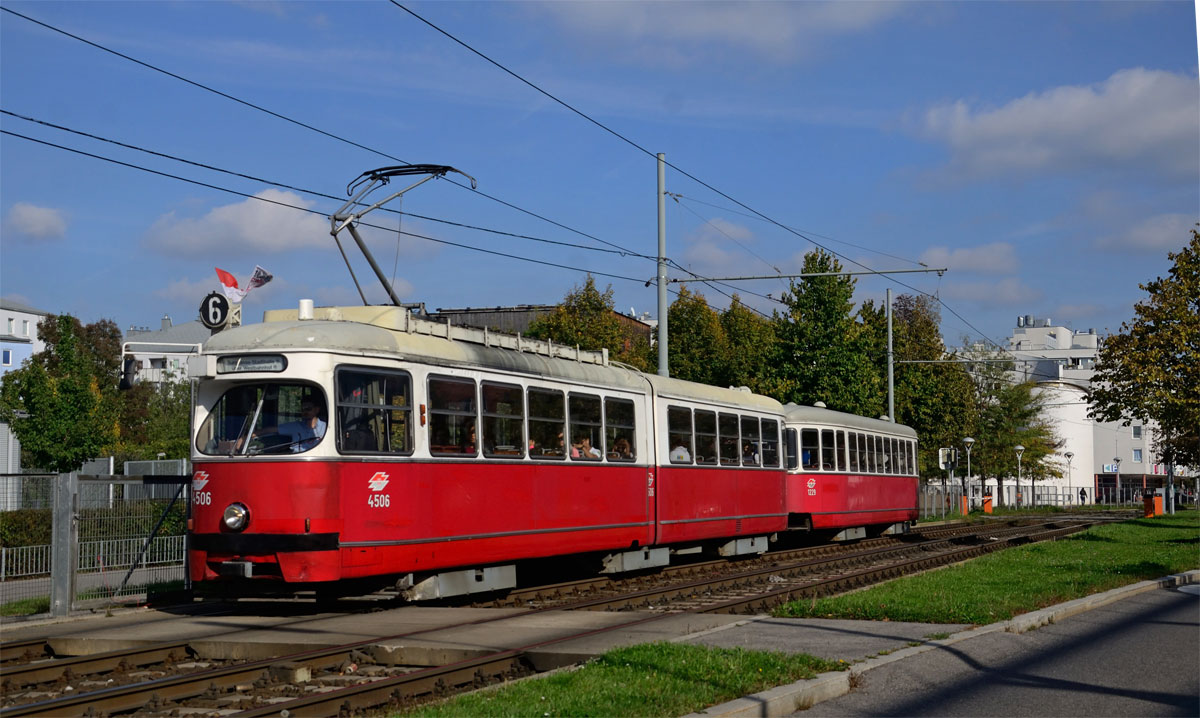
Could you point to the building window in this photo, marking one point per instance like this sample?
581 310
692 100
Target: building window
1137 456
11 325
25 327
7 357
1137 432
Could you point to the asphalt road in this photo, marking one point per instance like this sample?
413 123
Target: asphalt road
1139 656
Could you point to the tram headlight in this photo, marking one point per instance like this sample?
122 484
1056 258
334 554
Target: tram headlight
236 517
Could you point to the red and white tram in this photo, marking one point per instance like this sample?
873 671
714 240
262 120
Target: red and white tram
367 443
848 475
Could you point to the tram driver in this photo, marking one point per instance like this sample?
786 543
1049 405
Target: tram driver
308 431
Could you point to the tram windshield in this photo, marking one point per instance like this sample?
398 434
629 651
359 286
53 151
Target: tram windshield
264 418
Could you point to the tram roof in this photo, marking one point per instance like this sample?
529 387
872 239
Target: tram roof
392 332
820 416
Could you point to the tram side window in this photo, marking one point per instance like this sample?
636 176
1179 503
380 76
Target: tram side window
706 437
897 458
853 452
827 449
871 464
912 458
770 443
751 442
587 429
503 421
620 430
727 437
791 449
374 411
841 450
452 418
547 422
679 434
810 449
888 466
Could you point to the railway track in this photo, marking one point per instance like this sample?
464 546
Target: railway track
164 678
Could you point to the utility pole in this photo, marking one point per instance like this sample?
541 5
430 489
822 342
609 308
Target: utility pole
891 359
662 266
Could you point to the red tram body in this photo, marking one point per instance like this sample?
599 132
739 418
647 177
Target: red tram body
441 457
850 474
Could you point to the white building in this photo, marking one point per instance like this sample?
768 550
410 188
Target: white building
1062 362
18 341
161 354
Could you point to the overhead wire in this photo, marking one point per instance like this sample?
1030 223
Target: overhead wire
685 173
316 212
315 193
304 125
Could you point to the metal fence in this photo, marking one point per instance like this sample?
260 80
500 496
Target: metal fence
100 548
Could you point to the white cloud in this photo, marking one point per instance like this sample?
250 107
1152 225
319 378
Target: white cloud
249 226
683 34
994 258
36 222
1006 292
257 227
1163 233
1136 119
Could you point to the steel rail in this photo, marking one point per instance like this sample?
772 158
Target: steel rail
24 651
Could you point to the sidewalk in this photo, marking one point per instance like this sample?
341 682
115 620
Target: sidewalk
1125 660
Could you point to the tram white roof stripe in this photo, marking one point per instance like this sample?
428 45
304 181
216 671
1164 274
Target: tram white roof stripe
817 416
390 332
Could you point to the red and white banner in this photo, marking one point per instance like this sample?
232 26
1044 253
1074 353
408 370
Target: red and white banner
229 283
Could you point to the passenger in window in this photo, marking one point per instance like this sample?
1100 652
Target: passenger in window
308 431
621 449
749 453
586 450
681 454
469 433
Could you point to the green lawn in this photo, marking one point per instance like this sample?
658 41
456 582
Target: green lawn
658 679
1004 584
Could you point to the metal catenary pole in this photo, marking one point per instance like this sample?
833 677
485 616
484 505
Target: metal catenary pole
663 370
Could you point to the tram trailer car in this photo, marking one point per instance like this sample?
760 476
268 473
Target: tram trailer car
444 456
849 476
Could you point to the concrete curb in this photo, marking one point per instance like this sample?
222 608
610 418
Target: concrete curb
798 696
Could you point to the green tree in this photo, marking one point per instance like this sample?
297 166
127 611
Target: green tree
935 399
1150 370
820 347
586 318
750 340
1009 414
696 344
55 403
154 419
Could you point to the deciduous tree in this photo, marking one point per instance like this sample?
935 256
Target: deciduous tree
1150 370
750 340
820 347
55 403
586 318
697 349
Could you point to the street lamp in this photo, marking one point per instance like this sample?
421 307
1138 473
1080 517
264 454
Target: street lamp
1020 450
1070 455
1117 461
969 442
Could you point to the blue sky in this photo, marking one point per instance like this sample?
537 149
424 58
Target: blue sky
1047 153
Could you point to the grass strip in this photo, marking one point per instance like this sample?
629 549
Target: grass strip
1004 584
655 679
26 606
